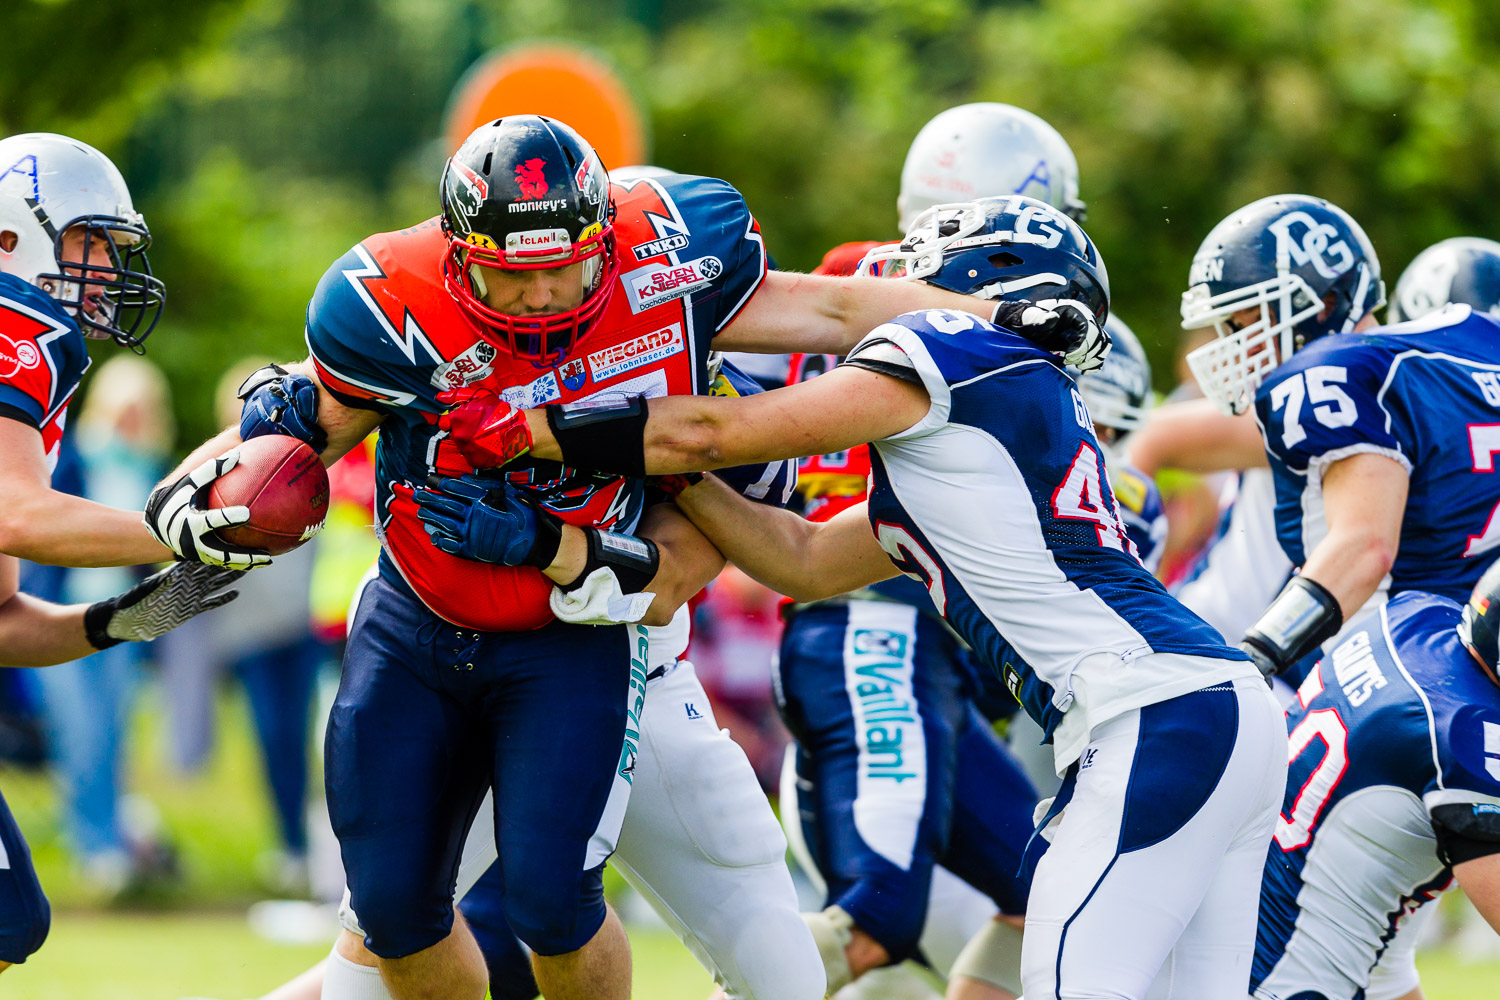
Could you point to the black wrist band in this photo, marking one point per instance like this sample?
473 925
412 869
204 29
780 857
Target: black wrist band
608 435
1303 615
96 625
633 560
547 541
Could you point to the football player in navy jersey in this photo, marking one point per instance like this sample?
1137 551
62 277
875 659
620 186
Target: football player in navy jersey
540 281
1379 441
72 266
1393 795
990 489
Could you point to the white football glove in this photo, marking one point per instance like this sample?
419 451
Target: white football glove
175 520
599 601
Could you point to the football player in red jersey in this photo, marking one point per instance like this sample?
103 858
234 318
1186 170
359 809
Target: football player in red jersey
539 282
72 265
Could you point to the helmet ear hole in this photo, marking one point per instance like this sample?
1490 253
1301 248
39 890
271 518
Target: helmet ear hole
1004 259
8 240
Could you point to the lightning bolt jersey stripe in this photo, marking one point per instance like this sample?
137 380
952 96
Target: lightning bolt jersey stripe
386 336
42 358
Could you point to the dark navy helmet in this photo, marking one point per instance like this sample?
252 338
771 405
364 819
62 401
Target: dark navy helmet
1119 393
528 193
1009 247
1465 269
1303 263
1479 629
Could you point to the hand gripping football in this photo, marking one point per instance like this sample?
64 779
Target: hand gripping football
284 484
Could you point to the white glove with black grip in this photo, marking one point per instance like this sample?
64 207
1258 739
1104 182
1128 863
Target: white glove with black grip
174 519
159 603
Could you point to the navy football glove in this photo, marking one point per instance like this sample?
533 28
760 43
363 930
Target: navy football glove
487 521
280 402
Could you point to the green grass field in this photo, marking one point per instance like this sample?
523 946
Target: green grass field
194 940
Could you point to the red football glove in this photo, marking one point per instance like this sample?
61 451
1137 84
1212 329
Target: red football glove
487 431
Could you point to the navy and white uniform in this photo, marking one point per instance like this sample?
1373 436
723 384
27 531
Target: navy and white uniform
997 500
1425 394
1395 723
894 771
42 358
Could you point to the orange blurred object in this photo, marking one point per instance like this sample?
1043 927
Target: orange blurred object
557 81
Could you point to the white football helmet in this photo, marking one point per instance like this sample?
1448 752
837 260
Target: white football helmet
1463 269
49 184
982 150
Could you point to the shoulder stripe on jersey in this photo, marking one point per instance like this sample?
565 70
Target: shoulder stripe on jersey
997 371
1434 355
411 334
1390 641
339 382
751 233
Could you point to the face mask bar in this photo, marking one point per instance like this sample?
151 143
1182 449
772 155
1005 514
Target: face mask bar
920 254
1230 368
120 300
539 339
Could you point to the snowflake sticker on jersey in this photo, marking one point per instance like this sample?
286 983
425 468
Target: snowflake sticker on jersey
533 394
636 352
469 367
651 286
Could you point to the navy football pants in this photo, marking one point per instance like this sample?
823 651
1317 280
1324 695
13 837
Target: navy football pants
427 716
25 916
899 771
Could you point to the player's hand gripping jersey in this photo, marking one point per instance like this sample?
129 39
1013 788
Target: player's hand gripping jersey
1424 393
1391 729
42 358
386 336
999 503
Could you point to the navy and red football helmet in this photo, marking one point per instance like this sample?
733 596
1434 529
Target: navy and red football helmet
526 193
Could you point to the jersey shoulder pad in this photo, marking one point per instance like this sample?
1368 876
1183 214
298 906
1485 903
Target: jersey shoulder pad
357 334
1326 402
683 234
42 353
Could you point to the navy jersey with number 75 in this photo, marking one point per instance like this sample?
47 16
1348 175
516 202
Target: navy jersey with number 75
1425 394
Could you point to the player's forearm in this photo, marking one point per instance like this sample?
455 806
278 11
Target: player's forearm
212 448
689 434
35 633
1364 499
689 561
780 549
820 314
1196 437
57 529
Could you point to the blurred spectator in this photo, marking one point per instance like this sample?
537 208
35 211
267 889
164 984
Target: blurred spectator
122 437
265 639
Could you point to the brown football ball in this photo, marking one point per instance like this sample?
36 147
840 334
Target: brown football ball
284 484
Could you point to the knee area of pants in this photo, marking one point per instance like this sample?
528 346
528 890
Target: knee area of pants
775 959
398 925
23 937
555 926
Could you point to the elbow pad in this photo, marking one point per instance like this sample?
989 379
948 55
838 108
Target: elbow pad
1303 615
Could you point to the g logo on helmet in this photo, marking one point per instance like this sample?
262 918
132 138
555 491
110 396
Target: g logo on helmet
1329 259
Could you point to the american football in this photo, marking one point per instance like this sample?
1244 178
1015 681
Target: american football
284 484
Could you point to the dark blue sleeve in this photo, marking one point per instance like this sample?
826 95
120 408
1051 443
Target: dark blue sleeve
356 361
771 483
721 227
